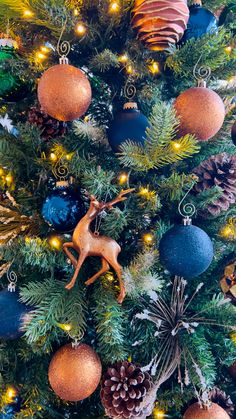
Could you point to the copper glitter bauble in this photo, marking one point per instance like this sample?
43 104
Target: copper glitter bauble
64 92
201 112
213 412
75 373
160 22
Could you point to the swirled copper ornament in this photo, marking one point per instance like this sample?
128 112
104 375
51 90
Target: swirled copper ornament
160 22
64 92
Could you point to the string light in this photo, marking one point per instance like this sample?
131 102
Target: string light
9 179
123 178
1 171
148 238
53 157
80 29
65 326
76 12
154 68
228 49
109 277
123 58
55 242
44 49
11 393
143 191
27 13
40 56
114 7
233 337
229 230
130 69
158 414
176 146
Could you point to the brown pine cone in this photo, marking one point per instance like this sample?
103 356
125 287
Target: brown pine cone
220 397
219 170
124 388
50 127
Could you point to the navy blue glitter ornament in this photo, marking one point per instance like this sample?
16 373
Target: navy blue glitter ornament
63 208
186 250
9 410
13 315
201 21
129 124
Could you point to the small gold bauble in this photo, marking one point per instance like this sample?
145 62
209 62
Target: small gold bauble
201 112
64 92
75 373
195 411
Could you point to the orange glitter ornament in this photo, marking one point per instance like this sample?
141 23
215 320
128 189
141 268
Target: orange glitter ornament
201 112
64 92
195 411
74 372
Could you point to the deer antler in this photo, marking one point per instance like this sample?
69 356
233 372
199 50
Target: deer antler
121 197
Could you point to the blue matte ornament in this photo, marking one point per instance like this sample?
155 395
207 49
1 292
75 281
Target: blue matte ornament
201 22
129 124
186 251
13 315
63 208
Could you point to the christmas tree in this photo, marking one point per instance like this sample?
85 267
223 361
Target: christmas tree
118 209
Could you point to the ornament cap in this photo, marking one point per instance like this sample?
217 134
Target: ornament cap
197 3
201 83
63 60
130 105
62 183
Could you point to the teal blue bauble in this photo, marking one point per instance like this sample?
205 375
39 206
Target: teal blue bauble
13 315
201 21
129 124
63 208
186 251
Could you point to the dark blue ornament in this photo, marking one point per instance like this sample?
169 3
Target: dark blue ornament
186 251
9 410
233 133
13 315
129 124
63 208
201 21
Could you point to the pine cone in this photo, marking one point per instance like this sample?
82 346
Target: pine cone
50 127
220 397
219 170
124 388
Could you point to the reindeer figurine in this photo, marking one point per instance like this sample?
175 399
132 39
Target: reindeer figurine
87 243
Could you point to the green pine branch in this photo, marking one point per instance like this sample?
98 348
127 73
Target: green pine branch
160 148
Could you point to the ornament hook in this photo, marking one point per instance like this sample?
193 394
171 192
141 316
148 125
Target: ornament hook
59 170
129 90
76 338
187 210
201 73
63 47
12 279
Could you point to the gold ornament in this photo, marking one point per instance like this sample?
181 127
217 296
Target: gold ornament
75 372
160 22
87 244
201 112
195 411
64 92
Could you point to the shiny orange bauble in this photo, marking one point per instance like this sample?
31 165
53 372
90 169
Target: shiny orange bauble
201 112
213 412
64 92
75 373
160 22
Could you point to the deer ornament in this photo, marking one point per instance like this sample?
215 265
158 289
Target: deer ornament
87 243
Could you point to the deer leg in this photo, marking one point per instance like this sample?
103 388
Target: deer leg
69 254
118 270
105 268
80 262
